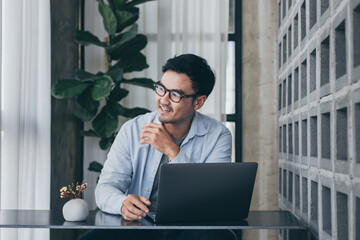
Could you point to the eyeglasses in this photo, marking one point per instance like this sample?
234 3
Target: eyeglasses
174 95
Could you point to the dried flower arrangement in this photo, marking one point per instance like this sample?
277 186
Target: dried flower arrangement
73 191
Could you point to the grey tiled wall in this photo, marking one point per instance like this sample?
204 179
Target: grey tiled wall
319 115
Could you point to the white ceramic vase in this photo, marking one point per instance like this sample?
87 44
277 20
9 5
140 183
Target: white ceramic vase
75 210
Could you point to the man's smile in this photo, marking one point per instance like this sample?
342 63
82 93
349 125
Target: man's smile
164 108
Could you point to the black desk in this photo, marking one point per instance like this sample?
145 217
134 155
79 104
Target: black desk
99 220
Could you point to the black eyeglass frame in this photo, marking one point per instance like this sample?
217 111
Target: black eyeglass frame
170 91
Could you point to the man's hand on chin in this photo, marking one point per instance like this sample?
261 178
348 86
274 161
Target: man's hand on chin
158 137
134 207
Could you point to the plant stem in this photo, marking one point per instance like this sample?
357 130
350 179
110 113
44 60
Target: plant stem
107 56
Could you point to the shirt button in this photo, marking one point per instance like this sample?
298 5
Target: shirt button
147 190
153 170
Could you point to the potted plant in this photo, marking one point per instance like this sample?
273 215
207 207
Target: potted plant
76 209
123 55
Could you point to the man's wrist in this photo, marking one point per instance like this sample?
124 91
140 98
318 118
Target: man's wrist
174 153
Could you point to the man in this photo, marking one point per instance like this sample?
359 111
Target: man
174 133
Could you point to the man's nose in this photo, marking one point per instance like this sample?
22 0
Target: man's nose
166 98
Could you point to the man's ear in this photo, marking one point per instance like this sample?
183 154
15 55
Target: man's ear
199 102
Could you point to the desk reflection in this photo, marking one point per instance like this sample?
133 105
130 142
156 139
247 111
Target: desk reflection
106 219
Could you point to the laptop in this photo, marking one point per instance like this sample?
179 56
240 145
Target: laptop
191 192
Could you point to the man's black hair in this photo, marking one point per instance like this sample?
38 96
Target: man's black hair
196 68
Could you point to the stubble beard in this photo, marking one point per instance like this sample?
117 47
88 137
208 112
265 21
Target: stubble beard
163 119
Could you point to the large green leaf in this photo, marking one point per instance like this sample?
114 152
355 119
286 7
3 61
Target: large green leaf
86 38
101 88
88 133
133 112
83 75
105 123
122 38
134 10
136 44
111 4
85 107
118 93
109 19
116 108
135 62
118 3
142 82
134 3
125 19
130 34
114 40
95 166
116 73
105 143
67 88
130 47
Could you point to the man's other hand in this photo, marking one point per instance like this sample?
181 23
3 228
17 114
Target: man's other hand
134 207
158 137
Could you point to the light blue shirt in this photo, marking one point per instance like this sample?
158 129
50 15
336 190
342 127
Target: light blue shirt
131 167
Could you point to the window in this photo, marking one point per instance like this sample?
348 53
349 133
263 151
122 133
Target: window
233 75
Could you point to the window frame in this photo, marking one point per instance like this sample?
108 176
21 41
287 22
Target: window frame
236 117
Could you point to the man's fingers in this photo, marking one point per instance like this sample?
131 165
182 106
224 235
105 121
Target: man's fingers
131 207
159 138
151 125
141 206
130 216
134 207
145 134
152 131
137 202
153 128
145 200
136 211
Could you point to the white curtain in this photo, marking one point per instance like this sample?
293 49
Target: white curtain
199 27
25 110
172 27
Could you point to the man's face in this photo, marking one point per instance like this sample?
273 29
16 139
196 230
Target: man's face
171 112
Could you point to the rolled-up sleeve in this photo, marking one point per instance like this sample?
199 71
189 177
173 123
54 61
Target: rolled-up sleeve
115 176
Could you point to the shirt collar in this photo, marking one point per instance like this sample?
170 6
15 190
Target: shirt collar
197 126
